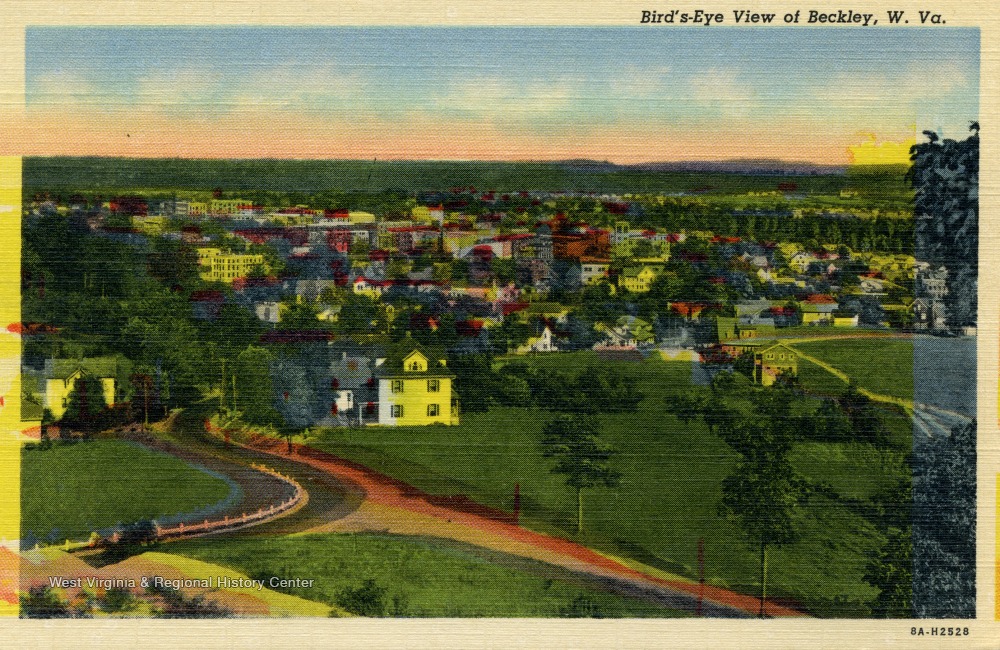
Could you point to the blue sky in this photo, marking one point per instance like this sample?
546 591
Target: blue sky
555 83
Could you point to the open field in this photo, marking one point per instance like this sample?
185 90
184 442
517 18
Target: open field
882 366
667 500
69 491
421 577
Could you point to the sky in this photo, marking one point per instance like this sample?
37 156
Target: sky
622 94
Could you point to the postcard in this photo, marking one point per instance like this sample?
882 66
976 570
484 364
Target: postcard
449 326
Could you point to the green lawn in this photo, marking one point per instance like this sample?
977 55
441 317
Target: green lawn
69 491
853 470
421 577
667 500
880 365
818 380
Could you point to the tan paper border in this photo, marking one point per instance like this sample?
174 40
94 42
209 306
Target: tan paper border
985 631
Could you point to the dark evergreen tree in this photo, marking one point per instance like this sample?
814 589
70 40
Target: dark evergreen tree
945 176
944 526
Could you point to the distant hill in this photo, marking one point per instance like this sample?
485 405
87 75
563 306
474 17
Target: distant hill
61 174
755 166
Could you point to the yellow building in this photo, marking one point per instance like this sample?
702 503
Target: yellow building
226 206
151 225
414 388
197 209
217 266
772 361
61 381
421 213
357 216
638 279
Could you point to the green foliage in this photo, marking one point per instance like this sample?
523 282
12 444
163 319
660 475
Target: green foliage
367 600
945 176
867 422
86 407
574 442
44 602
890 568
254 386
763 491
944 526
596 389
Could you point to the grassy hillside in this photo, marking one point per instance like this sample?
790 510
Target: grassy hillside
69 491
668 497
420 577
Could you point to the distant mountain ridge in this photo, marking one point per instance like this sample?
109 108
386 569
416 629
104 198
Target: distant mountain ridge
752 166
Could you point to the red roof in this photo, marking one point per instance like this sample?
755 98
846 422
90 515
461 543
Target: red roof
687 308
509 308
470 327
30 329
514 237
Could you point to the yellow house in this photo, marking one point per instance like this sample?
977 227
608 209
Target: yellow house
61 383
226 267
638 279
772 361
414 388
197 209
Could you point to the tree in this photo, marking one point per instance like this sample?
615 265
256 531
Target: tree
366 600
254 387
86 405
763 491
944 526
574 442
890 568
945 176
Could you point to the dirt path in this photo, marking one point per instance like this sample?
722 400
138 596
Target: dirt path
392 506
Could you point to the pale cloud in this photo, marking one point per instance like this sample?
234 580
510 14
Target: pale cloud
914 87
60 88
637 82
495 98
720 86
722 91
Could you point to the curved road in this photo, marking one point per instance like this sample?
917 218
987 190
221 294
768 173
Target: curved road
347 497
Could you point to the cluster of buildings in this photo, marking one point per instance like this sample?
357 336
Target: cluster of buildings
486 269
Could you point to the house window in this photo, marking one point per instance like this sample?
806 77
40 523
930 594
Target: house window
433 410
64 402
433 385
415 365
397 410
397 385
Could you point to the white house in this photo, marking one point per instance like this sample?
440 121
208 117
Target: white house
541 343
